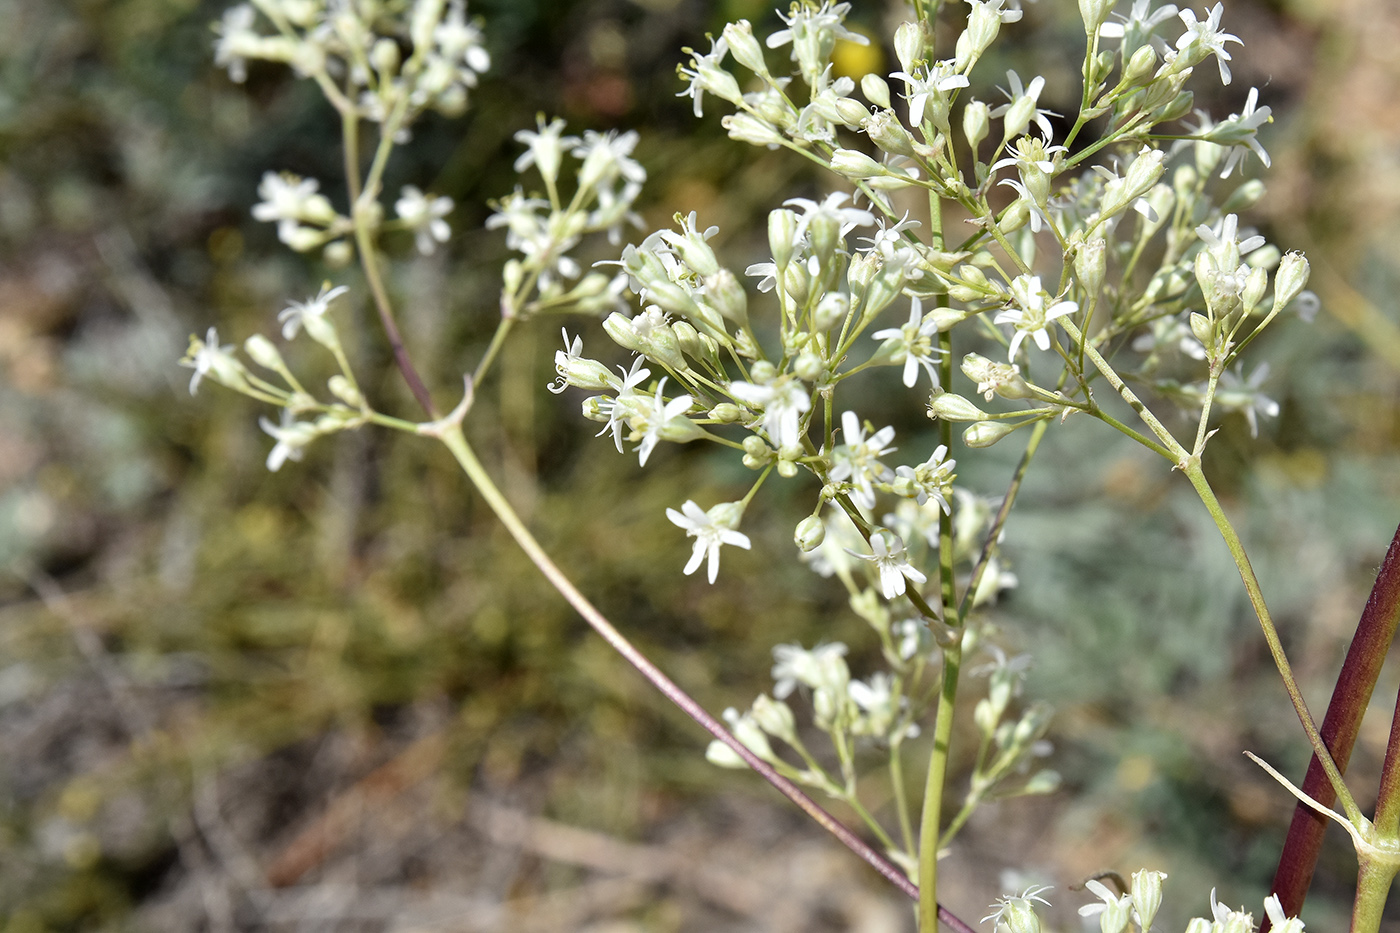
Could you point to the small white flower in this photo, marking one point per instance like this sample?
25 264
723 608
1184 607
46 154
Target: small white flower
783 404
1113 910
914 343
708 74
310 314
891 561
1203 38
424 216
859 459
1019 909
823 667
291 435
932 479
1022 108
710 530
648 423
1030 315
1235 393
830 208
237 39
544 148
1278 922
933 87
459 42
207 356
607 157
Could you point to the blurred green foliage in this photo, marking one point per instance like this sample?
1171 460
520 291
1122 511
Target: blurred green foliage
217 614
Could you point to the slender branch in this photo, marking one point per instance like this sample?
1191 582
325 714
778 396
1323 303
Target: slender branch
456 442
1350 697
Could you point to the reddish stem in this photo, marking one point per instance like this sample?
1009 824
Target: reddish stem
1350 697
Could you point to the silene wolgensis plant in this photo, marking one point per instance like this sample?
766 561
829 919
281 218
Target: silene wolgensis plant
1009 273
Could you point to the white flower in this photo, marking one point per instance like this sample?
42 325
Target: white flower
424 216
1116 909
824 667
311 315
891 560
1030 315
619 409
709 75
459 42
1021 108
931 479
848 218
291 435
206 357
1203 38
1235 393
1139 23
710 530
607 157
289 199
1019 908
544 149
783 403
914 343
662 415
1240 132
931 88
1278 922
859 458
237 39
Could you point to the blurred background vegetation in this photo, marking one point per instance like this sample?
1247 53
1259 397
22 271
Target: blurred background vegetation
335 697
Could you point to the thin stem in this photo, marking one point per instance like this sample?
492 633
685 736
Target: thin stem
933 784
456 442
1196 474
901 797
1340 726
1372 888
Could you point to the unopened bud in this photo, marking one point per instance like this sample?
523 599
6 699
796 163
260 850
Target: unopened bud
949 406
810 533
986 433
876 90
1291 278
977 120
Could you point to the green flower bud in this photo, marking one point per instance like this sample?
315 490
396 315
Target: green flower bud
728 413
1141 67
1147 895
344 390
262 351
339 254
782 232
809 366
949 406
986 433
1244 197
1255 284
885 131
1044 781
876 90
853 165
810 533
976 122
744 47
774 717
909 46
1291 278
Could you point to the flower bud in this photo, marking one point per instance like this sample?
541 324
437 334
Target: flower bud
977 119
1141 67
774 717
1255 284
1090 262
949 406
987 433
1203 329
853 165
727 296
909 46
876 90
344 390
1244 197
727 413
688 339
262 351
744 47
810 533
1094 12
1290 279
1147 895
1044 781
1019 916
885 131
747 128
339 254
384 56
831 310
809 366
782 234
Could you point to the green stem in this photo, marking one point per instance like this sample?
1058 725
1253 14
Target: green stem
1350 697
451 435
901 797
1372 888
1196 474
933 786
